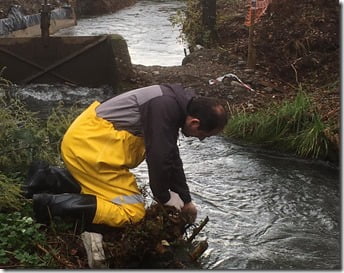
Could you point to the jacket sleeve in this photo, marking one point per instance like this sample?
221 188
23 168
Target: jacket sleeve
161 119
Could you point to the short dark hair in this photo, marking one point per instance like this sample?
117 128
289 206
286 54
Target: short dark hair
210 111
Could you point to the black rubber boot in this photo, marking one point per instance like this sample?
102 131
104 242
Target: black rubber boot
44 178
99 228
77 206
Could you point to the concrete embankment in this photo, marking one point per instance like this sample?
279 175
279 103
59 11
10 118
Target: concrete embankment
86 61
19 25
82 7
30 55
22 18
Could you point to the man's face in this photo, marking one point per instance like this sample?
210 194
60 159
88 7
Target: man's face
191 129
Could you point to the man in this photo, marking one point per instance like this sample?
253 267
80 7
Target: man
110 138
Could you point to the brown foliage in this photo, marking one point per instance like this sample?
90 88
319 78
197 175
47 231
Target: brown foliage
299 40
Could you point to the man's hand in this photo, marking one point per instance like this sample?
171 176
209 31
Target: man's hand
175 201
190 212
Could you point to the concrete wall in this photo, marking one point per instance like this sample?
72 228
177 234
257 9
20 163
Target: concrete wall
34 31
87 60
20 25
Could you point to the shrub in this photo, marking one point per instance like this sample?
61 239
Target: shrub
21 136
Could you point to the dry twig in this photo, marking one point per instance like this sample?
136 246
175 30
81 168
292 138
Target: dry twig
65 263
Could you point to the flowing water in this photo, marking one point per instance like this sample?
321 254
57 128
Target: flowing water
266 211
146 27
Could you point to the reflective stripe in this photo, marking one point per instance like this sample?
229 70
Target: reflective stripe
125 199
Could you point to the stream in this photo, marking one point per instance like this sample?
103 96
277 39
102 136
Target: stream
266 211
146 27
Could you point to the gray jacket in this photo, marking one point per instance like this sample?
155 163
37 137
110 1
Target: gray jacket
157 113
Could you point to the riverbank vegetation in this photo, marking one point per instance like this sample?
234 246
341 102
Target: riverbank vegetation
23 137
296 44
292 127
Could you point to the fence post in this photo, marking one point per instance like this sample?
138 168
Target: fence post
209 18
251 52
45 22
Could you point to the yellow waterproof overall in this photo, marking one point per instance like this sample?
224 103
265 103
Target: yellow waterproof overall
99 158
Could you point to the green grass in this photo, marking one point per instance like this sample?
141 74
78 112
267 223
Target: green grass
290 127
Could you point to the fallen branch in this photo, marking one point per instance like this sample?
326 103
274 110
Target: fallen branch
199 250
295 71
198 229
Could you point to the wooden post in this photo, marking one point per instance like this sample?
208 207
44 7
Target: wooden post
209 18
251 52
45 22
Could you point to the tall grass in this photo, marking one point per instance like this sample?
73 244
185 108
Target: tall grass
25 138
290 127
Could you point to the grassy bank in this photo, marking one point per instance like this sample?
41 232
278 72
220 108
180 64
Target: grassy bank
293 126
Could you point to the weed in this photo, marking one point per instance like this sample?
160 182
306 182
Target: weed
19 238
291 127
10 193
20 136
